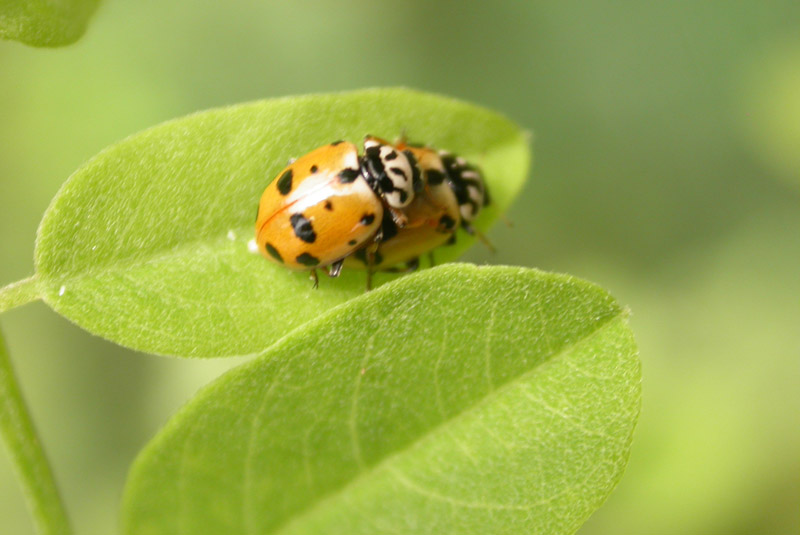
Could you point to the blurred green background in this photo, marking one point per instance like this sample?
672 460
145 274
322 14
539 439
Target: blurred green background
667 169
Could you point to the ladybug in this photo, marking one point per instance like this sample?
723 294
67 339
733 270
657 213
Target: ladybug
372 211
451 195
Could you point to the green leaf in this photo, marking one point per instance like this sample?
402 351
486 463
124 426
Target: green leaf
147 243
27 454
457 400
45 22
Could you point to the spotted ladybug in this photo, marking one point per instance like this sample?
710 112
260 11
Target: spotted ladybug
374 211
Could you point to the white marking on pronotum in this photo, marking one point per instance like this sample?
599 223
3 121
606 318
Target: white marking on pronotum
231 235
252 246
62 290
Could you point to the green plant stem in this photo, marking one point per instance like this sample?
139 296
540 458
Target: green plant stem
27 454
19 293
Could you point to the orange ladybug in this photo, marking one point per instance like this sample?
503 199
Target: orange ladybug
374 211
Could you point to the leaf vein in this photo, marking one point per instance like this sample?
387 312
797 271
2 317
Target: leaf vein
385 462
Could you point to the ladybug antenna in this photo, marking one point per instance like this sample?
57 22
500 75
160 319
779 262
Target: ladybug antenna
480 235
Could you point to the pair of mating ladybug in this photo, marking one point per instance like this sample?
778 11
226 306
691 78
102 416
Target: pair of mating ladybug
333 207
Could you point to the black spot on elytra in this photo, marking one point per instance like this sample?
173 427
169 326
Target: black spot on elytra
348 175
273 252
447 222
434 177
367 219
285 182
314 168
307 260
303 228
352 242
329 206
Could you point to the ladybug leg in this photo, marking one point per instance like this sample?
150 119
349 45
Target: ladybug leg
398 217
314 278
336 268
431 259
371 256
481 236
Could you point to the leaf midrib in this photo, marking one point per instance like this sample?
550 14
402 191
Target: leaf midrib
125 263
331 495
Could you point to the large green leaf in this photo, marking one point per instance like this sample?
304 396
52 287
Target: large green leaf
458 400
45 22
147 243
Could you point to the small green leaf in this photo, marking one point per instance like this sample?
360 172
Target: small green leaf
457 400
45 22
147 243
27 454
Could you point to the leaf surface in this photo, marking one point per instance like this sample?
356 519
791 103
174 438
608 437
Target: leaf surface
147 243
457 400
45 22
